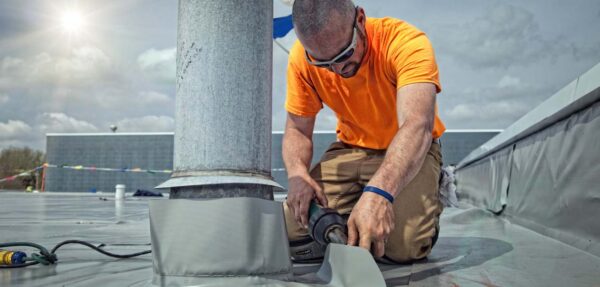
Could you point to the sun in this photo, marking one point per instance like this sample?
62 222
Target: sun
72 22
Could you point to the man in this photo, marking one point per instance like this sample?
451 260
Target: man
380 78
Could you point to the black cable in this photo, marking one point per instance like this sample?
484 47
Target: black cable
85 243
47 258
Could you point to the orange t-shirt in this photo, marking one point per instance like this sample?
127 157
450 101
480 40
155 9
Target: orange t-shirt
398 54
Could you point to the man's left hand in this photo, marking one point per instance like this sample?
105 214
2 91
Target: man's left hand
370 223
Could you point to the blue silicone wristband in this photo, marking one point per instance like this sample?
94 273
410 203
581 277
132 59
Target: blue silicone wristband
381 192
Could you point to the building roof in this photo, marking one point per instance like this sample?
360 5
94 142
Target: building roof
474 247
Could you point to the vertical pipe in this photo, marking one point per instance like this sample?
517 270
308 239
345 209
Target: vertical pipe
223 100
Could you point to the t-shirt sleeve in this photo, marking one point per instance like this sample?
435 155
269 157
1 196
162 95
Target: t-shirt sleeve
302 98
413 61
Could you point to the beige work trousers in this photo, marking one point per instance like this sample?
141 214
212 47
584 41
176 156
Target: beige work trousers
344 170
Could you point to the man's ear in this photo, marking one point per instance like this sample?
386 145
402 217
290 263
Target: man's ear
361 18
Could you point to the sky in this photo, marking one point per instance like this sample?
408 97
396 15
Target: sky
81 66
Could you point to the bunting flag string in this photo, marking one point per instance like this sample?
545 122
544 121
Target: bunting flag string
94 168
25 173
123 169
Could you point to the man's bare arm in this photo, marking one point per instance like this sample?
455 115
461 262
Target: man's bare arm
372 218
297 146
406 153
297 152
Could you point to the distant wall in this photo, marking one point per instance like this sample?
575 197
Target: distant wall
146 151
155 151
457 144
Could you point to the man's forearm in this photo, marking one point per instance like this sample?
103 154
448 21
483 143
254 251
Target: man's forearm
404 158
297 151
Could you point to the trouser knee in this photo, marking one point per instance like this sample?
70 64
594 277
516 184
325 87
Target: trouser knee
406 251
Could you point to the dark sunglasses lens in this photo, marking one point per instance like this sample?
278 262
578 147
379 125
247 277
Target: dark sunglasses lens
345 56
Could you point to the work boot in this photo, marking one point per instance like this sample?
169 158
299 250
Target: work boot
306 251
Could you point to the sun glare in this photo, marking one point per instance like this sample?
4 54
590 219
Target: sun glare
72 22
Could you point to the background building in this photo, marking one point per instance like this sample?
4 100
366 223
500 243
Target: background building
154 151
457 144
107 150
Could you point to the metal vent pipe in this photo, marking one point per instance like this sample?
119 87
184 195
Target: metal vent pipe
223 100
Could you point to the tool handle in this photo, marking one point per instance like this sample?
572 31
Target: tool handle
314 208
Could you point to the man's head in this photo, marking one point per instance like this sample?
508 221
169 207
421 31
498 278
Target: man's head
332 33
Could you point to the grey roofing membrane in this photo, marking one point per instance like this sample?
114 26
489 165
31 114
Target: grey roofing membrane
475 248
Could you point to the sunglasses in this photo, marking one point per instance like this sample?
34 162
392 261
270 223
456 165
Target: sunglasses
341 57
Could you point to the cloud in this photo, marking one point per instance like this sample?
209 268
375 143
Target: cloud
85 83
62 123
492 106
495 59
508 81
147 124
488 111
153 97
83 65
4 98
159 64
13 129
10 62
505 35
20 133
583 51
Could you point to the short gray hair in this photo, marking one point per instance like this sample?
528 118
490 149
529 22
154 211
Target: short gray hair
311 16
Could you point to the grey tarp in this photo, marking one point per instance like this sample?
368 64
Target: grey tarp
485 184
555 183
240 241
219 237
552 180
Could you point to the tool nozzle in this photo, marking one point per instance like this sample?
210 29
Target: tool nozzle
337 235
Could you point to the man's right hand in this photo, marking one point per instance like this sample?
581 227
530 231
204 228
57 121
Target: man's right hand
303 189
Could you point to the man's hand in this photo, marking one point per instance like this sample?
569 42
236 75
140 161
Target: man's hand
303 189
370 223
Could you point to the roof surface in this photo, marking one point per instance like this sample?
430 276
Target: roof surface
475 248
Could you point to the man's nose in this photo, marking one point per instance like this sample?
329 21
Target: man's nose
336 68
